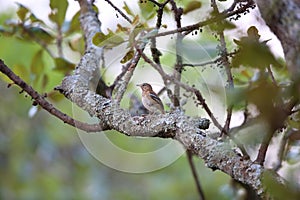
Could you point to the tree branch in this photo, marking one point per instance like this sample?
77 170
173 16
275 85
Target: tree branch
195 175
225 62
249 4
178 65
40 100
121 85
119 11
218 155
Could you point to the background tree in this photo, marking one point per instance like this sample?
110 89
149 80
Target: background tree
264 88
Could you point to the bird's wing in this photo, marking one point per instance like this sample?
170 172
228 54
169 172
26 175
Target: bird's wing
155 98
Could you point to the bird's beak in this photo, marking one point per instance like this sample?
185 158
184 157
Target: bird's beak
139 85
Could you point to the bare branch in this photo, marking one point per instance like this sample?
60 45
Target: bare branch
119 11
222 16
272 76
155 52
195 175
215 61
121 85
225 62
178 65
201 64
40 100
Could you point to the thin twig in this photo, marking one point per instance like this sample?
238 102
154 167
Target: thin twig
155 52
272 76
156 3
281 150
195 175
226 63
177 75
121 85
202 64
59 41
215 61
178 65
119 11
233 5
285 111
211 20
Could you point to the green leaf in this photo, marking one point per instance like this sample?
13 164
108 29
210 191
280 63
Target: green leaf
136 20
137 30
74 25
128 56
243 76
55 96
110 40
22 12
45 81
37 64
276 189
148 11
77 44
253 53
236 96
58 11
121 28
22 71
253 33
62 65
34 19
222 25
128 10
191 6
40 33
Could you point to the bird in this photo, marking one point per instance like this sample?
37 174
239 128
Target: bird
150 99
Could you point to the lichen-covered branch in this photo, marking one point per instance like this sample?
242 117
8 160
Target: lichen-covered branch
218 155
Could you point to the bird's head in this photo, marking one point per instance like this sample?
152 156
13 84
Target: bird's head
145 86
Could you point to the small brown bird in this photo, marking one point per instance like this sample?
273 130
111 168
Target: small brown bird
150 99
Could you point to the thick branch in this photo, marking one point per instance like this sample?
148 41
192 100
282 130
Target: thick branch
185 129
